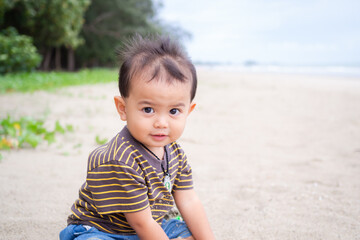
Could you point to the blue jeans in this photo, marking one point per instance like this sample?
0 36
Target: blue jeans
173 228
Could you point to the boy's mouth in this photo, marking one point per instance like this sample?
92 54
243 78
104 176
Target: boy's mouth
159 136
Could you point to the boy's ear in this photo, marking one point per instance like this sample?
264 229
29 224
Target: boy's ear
120 107
192 106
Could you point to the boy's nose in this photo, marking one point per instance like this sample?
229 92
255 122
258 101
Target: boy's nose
160 123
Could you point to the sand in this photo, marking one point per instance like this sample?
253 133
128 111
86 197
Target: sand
275 156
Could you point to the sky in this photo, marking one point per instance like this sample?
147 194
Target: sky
288 32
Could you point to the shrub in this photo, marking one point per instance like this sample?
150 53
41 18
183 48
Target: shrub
17 52
27 131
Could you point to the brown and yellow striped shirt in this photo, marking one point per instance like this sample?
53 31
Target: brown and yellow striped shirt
123 177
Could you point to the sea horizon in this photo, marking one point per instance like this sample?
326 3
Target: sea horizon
341 70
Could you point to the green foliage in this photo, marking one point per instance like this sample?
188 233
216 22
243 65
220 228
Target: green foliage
5 5
50 23
94 28
26 132
17 53
109 23
100 141
24 82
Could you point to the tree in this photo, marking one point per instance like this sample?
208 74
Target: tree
109 23
51 23
55 27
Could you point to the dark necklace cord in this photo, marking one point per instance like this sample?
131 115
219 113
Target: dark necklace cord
166 173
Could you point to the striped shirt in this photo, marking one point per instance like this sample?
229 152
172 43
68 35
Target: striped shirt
122 177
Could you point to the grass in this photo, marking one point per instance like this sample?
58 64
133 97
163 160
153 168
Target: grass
29 82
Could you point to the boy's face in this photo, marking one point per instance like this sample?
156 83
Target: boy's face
156 111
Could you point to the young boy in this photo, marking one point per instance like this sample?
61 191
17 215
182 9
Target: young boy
137 177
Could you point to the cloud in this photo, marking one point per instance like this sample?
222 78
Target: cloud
279 30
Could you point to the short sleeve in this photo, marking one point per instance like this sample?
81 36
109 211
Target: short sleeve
117 188
183 180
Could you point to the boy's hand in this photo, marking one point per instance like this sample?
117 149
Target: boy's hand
193 213
145 226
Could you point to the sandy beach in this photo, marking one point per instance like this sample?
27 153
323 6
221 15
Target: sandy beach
275 156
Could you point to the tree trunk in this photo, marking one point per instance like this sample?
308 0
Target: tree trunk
47 58
71 59
58 58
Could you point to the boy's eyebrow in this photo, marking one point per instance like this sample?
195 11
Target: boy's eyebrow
178 105
145 102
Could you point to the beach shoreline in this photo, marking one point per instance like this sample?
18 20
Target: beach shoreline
274 155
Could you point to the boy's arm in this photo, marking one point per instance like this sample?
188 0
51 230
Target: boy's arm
193 213
145 226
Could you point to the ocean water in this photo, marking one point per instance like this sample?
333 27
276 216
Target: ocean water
341 71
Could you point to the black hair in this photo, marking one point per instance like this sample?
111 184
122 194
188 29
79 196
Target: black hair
155 55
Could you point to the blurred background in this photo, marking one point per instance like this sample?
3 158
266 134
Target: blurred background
297 36
68 35
277 35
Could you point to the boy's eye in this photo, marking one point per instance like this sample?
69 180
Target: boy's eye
148 110
174 111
